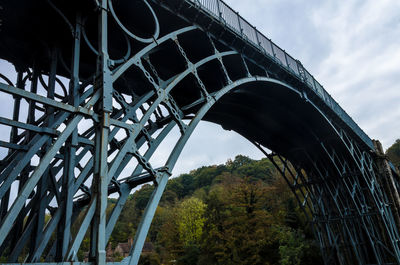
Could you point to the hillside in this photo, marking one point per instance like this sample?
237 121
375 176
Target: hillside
393 153
241 212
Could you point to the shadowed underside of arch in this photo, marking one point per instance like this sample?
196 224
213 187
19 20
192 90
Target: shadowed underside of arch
100 84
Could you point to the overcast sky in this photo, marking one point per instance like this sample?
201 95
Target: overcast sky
352 47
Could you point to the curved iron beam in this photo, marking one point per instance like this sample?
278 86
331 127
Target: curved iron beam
125 66
173 157
130 34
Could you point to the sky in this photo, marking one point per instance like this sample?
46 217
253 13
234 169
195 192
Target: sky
351 47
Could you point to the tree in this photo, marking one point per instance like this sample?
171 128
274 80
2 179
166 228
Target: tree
190 255
204 176
239 213
175 185
150 259
239 161
143 196
291 247
191 221
394 153
168 241
187 183
246 225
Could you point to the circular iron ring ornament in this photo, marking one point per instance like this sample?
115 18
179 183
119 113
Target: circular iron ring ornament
130 34
91 47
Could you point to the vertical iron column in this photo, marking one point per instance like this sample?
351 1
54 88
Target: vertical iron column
38 211
71 146
104 107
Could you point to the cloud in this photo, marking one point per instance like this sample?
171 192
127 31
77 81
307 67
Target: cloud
351 47
361 71
211 145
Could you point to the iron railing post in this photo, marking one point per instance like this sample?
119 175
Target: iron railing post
219 11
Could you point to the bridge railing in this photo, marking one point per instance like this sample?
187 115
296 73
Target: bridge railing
226 15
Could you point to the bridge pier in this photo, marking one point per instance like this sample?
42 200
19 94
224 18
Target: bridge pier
387 179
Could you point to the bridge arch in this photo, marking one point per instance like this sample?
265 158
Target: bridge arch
262 84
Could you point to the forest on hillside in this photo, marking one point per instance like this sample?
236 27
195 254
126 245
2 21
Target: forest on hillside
240 212
393 154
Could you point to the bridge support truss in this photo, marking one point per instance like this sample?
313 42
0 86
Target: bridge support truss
76 137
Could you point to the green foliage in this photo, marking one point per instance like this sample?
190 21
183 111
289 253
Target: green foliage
142 197
117 256
296 249
150 259
394 153
239 161
204 176
291 247
191 221
190 255
238 213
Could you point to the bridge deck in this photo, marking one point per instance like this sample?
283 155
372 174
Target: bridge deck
213 15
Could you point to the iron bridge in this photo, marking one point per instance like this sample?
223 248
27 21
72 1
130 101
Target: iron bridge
99 84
